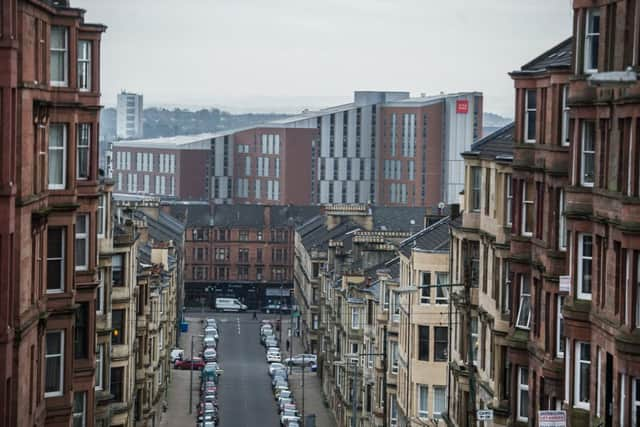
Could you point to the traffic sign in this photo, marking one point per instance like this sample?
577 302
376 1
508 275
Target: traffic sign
485 414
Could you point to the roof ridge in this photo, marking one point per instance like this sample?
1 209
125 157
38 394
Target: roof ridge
546 53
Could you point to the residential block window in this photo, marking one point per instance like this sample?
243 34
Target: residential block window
476 188
439 401
530 102
55 259
524 310
59 52
118 325
394 357
585 260
57 156
635 401
565 116
523 394
100 367
562 222
441 343
355 318
582 375
487 190
84 65
117 274
117 383
79 409
591 40
102 218
528 209
83 160
506 287
474 339
54 364
560 339
423 342
442 291
509 199
588 154
425 289
423 401
244 235
81 332
82 242
100 293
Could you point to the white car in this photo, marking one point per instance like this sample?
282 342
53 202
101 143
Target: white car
302 360
176 354
273 357
274 367
289 415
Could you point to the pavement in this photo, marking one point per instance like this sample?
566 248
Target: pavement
244 394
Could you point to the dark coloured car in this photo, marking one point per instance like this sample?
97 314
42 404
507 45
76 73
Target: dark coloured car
186 364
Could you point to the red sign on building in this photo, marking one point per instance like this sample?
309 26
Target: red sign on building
462 106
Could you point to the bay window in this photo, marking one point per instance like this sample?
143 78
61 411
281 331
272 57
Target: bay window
355 318
425 288
592 40
562 222
439 401
476 182
588 154
82 242
102 219
528 209
83 160
530 116
441 342
509 199
582 375
55 259
565 116
79 409
100 367
559 327
524 309
54 364
523 394
57 156
423 401
84 65
474 340
635 401
585 260
59 55
442 291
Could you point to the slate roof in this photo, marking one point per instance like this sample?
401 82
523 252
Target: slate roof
164 228
434 238
242 215
497 145
318 237
397 218
558 57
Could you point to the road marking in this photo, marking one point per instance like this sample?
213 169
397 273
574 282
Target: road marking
238 325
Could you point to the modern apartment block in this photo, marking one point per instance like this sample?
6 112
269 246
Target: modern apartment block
384 148
129 118
48 210
480 243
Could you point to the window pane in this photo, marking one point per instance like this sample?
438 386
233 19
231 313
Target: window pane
58 38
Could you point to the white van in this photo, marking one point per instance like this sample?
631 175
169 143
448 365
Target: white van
229 304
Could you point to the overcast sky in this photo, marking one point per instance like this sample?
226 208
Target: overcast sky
284 55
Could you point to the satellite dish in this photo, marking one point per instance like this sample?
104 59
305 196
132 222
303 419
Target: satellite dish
441 205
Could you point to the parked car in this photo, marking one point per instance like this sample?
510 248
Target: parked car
209 373
273 356
214 365
275 366
211 331
280 389
271 342
301 359
209 342
211 322
176 353
289 415
210 355
276 308
186 364
282 401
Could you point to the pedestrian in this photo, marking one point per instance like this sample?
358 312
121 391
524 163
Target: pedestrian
287 345
255 315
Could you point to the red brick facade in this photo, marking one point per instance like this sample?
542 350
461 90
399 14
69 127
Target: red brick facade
30 210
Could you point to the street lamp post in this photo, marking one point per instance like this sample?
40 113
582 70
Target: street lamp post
354 387
191 374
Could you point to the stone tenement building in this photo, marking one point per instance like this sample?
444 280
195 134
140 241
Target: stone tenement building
50 99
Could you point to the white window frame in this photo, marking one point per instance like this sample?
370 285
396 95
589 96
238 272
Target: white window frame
565 117
559 323
101 215
355 318
393 413
584 295
476 189
80 415
83 143
100 367
437 414
63 148
526 202
522 388
423 411
394 357
589 37
65 52
528 111
584 153
623 397
577 380
62 261
60 390
82 235
475 328
599 379
441 288
100 292
562 222
425 288
524 297
509 199
84 65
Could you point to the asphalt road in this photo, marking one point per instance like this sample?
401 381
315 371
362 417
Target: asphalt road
245 397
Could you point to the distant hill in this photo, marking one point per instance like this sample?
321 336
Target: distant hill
491 122
159 122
